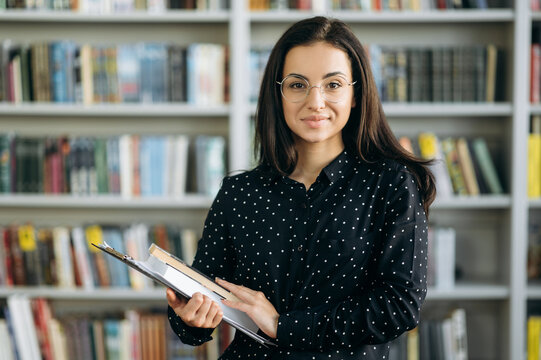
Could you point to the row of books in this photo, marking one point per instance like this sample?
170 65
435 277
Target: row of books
66 72
438 74
413 74
31 330
533 337
441 267
534 251
535 64
258 59
462 167
262 5
128 165
442 339
64 256
115 6
375 5
534 157
414 5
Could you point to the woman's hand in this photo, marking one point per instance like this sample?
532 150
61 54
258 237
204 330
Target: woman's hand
255 305
200 311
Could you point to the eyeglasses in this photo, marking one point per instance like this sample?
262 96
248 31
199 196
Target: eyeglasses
295 88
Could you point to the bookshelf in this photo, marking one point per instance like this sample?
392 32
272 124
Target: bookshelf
492 230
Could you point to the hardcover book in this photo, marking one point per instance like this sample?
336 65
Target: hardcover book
185 280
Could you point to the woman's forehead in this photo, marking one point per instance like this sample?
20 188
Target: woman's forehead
316 60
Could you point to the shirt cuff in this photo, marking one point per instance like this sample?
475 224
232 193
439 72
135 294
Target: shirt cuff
295 330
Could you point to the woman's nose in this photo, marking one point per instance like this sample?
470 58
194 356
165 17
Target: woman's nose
315 99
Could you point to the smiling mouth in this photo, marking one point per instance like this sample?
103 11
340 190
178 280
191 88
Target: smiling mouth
315 118
315 122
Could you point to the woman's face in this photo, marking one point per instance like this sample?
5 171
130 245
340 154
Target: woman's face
316 120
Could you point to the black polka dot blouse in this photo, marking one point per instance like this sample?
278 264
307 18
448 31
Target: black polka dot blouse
344 263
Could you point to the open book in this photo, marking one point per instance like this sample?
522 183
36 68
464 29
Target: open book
186 280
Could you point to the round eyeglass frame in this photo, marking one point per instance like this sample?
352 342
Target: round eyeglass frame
321 91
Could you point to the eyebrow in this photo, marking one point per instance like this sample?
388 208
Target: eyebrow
324 76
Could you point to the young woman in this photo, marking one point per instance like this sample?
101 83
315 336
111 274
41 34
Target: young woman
324 243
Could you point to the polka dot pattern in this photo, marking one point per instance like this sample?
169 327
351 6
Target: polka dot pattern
343 262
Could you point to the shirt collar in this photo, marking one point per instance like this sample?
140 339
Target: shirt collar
333 171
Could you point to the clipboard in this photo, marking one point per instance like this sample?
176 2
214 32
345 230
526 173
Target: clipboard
174 273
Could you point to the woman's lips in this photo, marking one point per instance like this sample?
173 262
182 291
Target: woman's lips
315 121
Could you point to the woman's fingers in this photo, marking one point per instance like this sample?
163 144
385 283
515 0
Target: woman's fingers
192 306
242 292
217 318
201 311
214 315
255 304
174 301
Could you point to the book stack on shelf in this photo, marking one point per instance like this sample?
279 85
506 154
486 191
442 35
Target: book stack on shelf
534 158
67 72
30 330
441 258
443 339
63 257
130 165
116 6
268 5
534 252
463 167
414 5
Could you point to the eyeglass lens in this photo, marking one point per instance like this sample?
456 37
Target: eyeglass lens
296 89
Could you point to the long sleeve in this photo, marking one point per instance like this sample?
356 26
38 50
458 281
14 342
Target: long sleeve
214 257
390 303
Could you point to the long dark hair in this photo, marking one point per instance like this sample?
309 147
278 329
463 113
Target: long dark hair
366 133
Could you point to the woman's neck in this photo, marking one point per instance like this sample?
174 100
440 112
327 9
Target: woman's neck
312 158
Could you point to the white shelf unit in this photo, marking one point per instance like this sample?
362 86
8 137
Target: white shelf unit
493 228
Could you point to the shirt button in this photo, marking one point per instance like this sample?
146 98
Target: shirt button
299 248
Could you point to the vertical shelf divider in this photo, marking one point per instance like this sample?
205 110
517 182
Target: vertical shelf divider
239 116
518 237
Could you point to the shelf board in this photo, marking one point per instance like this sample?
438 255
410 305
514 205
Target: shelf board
191 201
121 109
460 292
169 16
350 16
447 109
474 202
535 109
535 203
536 15
54 293
441 109
470 292
534 291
